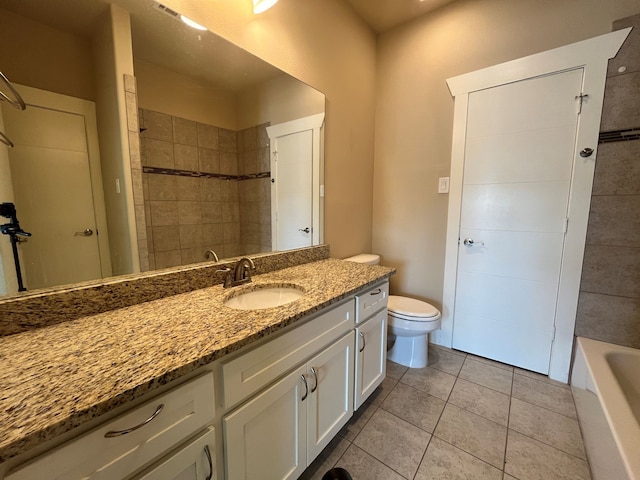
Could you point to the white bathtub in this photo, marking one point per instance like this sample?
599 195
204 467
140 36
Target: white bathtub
606 386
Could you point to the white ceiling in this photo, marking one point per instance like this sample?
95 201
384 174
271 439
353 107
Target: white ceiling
381 15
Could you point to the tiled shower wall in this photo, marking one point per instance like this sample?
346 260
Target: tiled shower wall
609 302
200 185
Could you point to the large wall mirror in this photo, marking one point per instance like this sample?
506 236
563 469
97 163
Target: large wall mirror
147 144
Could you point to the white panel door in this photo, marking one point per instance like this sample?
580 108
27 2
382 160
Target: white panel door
517 175
292 190
53 196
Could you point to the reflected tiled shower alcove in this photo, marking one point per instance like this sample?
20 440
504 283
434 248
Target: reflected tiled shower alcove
205 188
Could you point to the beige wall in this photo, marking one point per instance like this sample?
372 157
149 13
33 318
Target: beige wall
414 112
40 56
323 43
179 95
280 99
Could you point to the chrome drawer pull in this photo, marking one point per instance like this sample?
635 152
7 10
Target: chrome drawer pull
117 433
377 292
306 386
208 454
315 375
364 344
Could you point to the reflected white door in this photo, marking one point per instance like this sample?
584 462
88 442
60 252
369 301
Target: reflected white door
519 154
292 192
53 196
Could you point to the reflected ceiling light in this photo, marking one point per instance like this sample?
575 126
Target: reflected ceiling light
260 6
191 23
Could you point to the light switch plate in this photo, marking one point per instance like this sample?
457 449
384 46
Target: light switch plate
443 185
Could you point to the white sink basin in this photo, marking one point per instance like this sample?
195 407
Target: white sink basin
264 297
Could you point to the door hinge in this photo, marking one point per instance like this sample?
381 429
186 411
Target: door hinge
565 227
581 99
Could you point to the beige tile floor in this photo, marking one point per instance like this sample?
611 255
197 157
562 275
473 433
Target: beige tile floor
461 417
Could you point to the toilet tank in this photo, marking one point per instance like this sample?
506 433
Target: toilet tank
368 258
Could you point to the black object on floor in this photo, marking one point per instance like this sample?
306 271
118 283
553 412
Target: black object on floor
337 474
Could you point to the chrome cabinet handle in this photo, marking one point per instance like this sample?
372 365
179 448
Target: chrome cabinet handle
377 292
118 433
208 454
85 233
364 343
306 387
315 376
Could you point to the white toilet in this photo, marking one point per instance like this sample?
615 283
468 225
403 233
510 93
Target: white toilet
409 321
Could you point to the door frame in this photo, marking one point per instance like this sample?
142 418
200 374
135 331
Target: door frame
315 123
592 56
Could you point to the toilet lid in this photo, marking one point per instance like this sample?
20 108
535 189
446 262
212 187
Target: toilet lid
411 307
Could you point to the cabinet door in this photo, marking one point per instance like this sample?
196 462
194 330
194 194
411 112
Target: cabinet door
330 377
371 356
195 461
265 439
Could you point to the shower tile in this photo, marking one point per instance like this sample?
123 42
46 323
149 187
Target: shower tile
207 136
231 232
629 54
164 213
481 400
158 126
474 434
248 139
547 427
430 380
188 188
542 394
143 254
362 466
192 255
444 360
621 107
190 236
617 168
394 442
263 136
171 258
611 270
487 375
356 423
134 150
141 222
211 212
129 83
528 459
185 131
594 308
264 160
189 213
248 190
227 140
249 212
231 212
395 370
416 407
208 160
446 462
212 234
136 184
158 153
166 239
131 104
228 163
185 157
211 189
248 162
605 227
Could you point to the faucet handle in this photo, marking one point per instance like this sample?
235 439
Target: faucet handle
228 278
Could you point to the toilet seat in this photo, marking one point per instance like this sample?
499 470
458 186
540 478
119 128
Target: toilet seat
411 309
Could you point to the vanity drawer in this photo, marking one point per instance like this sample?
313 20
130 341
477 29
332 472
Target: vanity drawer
371 301
248 373
185 410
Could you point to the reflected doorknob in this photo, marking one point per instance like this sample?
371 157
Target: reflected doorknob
305 230
85 233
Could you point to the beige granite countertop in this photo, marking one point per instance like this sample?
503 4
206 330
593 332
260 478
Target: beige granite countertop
55 378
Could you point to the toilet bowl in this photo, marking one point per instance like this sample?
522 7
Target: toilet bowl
409 323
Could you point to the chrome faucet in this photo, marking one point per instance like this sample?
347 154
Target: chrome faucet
211 254
240 275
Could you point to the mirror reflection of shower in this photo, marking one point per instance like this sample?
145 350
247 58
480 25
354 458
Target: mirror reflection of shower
16 235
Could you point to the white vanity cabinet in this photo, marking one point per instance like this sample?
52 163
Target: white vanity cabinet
123 445
276 434
371 341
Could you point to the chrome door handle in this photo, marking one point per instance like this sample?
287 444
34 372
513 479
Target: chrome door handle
306 386
315 376
305 230
208 454
364 343
85 233
469 242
